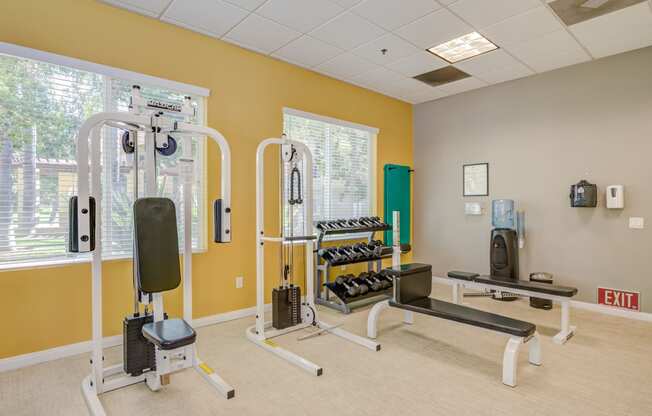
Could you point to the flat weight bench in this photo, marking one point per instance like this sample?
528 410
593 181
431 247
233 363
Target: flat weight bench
412 289
559 294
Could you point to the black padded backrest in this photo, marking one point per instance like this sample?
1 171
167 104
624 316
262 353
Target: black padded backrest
156 245
413 281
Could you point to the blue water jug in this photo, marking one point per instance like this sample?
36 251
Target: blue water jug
502 213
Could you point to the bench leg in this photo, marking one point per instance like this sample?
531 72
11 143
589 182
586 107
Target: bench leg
408 317
510 360
534 349
372 319
567 331
458 293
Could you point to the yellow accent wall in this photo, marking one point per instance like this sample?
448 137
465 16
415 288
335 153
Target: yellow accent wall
49 307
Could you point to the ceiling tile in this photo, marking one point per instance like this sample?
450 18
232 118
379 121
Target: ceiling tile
377 77
261 34
212 17
550 51
487 62
410 86
483 13
462 85
303 15
347 31
347 3
620 31
531 24
446 2
247 4
395 49
428 94
148 7
434 29
307 51
418 64
505 74
391 14
346 66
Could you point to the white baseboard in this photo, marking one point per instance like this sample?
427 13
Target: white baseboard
26 360
607 310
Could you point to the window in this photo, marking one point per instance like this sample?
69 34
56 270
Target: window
42 105
342 164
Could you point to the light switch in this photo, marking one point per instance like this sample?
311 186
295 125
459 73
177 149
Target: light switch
637 223
239 282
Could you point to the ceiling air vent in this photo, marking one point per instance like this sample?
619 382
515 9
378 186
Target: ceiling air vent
442 76
576 11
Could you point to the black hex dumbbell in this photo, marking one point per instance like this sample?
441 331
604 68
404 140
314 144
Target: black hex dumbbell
350 290
372 282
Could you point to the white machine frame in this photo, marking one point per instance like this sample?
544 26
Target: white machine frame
144 116
262 332
566 331
510 355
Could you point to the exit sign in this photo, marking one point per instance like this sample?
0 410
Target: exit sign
619 298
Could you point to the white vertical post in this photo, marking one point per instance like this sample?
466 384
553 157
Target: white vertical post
565 317
186 171
307 225
96 256
396 239
260 233
150 165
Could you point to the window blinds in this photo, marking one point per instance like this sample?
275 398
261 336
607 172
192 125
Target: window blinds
341 166
41 108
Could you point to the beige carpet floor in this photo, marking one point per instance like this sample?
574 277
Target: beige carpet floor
433 367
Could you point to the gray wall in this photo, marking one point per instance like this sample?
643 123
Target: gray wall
540 135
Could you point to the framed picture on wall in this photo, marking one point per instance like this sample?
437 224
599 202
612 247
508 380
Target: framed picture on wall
476 179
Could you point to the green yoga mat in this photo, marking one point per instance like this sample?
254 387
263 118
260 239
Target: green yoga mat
397 198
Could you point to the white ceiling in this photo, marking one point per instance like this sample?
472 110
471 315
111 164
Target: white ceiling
344 38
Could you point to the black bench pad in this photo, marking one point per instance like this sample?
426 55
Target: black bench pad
469 316
169 333
554 290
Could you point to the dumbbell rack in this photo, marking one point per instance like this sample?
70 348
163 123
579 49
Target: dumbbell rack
323 294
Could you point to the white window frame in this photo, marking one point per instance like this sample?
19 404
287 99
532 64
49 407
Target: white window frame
373 171
137 78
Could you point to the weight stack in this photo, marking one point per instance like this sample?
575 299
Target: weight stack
138 353
286 307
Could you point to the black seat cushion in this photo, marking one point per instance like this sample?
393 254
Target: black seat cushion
506 282
470 316
156 244
169 333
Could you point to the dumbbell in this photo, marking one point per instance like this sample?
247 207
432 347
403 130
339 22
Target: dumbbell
351 290
365 222
376 221
373 283
350 252
353 223
377 247
364 289
322 225
387 281
331 254
363 249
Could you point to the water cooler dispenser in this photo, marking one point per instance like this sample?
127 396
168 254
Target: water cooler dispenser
504 239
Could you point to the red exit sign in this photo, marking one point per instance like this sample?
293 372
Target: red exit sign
619 298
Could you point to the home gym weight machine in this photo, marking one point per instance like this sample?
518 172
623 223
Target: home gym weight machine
290 312
156 121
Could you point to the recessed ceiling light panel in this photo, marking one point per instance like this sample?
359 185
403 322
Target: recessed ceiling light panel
464 47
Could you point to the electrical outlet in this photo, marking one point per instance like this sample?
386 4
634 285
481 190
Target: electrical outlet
637 223
239 282
342 268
